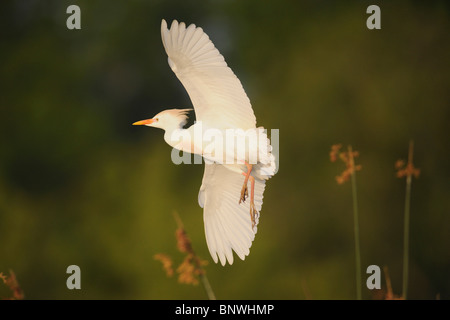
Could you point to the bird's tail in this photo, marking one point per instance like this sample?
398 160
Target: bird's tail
267 165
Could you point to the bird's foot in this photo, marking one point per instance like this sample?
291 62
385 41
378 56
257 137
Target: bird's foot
253 214
244 193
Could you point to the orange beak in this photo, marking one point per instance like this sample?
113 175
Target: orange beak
143 122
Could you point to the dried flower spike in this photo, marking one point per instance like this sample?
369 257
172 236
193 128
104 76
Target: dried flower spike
348 158
191 269
334 152
13 285
407 170
183 241
166 262
389 293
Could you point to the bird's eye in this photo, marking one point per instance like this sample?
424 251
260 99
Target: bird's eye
156 119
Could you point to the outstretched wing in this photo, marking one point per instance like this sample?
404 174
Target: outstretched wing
227 223
216 93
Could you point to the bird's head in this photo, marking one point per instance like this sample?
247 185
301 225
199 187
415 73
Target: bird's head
167 119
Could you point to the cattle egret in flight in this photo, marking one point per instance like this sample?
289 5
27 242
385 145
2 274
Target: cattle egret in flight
221 106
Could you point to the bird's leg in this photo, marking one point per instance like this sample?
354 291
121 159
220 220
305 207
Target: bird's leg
244 191
253 212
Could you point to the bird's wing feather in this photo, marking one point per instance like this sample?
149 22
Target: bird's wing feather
227 223
216 93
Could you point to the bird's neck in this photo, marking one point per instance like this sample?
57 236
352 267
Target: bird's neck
182 139
174 134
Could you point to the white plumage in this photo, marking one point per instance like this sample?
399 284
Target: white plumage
227 223
216 93
220 102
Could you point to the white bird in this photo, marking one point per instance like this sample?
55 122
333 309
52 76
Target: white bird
220 103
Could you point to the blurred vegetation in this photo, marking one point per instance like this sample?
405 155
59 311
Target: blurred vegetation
80 185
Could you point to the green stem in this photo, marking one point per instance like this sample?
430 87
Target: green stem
356 226
406 238
406 225
207 287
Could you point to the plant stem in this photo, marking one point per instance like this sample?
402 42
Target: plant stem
207 287
406 224
355 226
406 238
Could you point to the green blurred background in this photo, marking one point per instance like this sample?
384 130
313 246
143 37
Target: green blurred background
80 185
